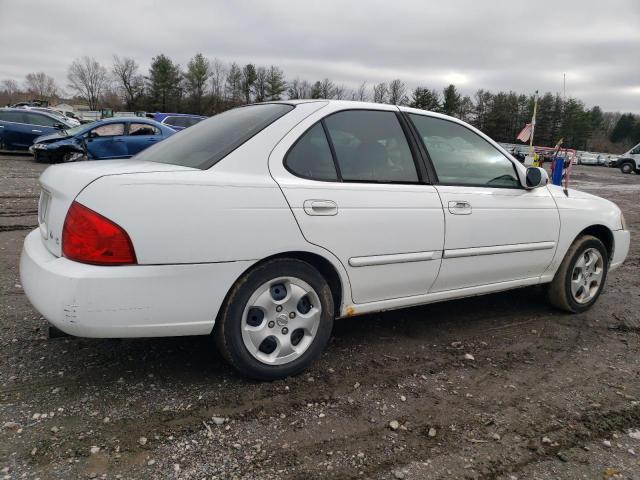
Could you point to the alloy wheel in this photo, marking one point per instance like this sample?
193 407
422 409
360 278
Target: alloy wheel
280 320
586 278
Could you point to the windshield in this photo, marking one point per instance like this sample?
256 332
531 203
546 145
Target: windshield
206 143
75 130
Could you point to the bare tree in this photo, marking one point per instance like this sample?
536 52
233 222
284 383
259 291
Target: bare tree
40 85
261 84
361 94
327 89
218 82
299 89
11 91
380 93
340 92
127 80
88 79
397 92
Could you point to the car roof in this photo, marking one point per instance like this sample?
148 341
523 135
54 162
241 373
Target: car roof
179 114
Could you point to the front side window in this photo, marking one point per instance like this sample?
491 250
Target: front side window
137 129
208 142
370 146
108 130
311 156
41 120
462 157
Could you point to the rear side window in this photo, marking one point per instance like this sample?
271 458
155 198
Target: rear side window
175 122
209 141
16 117
311 156
371 146
137 129
462 157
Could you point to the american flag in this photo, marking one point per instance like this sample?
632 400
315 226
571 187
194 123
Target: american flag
524 135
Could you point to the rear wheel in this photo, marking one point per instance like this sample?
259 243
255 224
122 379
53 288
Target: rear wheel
627 167
581 276
276 320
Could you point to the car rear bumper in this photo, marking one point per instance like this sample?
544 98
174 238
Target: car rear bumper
621 241
125 301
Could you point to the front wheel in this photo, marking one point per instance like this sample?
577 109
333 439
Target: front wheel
627 167
581 276
276 320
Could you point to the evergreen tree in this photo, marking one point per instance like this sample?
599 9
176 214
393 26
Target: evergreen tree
275 83
425 99
623 129
451 100
165 86
196 80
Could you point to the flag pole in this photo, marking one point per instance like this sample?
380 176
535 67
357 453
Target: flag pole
533 123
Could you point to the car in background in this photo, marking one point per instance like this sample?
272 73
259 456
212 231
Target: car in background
630 160
612 161
56 113
19 127
177 121
587 158
102 140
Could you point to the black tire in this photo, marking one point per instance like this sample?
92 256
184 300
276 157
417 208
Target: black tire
227 331
627 167
559 292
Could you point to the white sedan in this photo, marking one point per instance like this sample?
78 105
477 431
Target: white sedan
262 224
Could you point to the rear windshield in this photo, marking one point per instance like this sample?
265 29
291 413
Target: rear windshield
209 141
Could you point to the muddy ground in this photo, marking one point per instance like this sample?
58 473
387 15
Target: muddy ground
547 395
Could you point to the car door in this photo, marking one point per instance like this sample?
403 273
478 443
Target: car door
15 133
107 141
41 124
141 136
18 131
496 231
355 188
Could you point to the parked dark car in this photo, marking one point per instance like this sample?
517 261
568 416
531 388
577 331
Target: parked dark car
19 127
101 140
177 121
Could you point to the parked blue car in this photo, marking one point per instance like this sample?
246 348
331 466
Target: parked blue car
20 127
101 140
177 121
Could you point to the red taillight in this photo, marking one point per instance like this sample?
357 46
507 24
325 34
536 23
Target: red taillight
88 237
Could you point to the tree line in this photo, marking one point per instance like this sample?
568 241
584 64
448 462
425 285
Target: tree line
207 87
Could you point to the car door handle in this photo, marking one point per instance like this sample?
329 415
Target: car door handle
152 140
320 207
36 131
460 207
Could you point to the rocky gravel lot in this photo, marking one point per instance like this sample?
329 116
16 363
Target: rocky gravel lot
494 387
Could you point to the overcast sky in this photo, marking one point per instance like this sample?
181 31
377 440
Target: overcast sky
491 44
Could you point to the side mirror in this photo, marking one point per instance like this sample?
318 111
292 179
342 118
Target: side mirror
58 126
535 177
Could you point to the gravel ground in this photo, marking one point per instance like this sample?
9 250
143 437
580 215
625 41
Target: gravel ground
493 387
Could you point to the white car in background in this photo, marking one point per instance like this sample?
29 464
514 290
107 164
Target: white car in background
262 224
587 158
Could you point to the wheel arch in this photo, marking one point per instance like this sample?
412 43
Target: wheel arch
602 233
337 283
